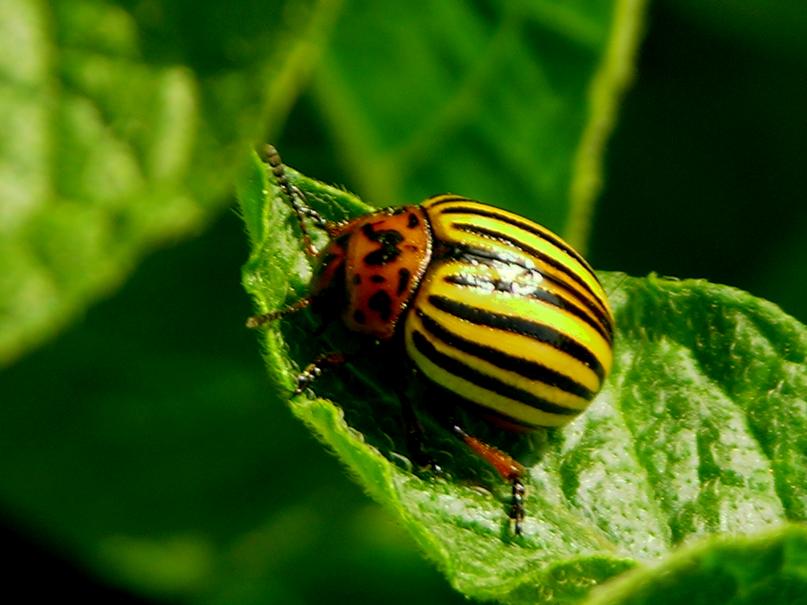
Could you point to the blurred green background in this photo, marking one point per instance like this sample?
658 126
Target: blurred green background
705 177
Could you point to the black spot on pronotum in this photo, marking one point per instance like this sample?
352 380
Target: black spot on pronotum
377 279
381 302
413 221
389 240
357 279
403 280
342 240
358 316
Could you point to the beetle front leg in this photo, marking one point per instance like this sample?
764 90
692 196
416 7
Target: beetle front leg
314 369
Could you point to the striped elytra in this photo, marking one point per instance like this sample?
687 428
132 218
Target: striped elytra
483 303
508 317
491 306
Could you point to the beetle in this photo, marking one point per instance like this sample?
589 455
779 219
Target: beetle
484 304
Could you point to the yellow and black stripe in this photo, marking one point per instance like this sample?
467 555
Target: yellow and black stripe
509 317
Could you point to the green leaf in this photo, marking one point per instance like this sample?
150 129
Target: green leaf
701 431
770 567
509 102
124 124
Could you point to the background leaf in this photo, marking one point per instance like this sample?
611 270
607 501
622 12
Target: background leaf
699 431
705 173
509 102
124 125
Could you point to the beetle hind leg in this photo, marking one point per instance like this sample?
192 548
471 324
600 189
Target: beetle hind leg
510 470
516 512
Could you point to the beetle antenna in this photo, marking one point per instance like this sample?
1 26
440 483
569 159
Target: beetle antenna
295 197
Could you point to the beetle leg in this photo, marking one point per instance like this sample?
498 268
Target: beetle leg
314 369
510 470
516 512
256 321
413 433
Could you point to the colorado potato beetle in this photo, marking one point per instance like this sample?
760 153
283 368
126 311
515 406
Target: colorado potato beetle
483 303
